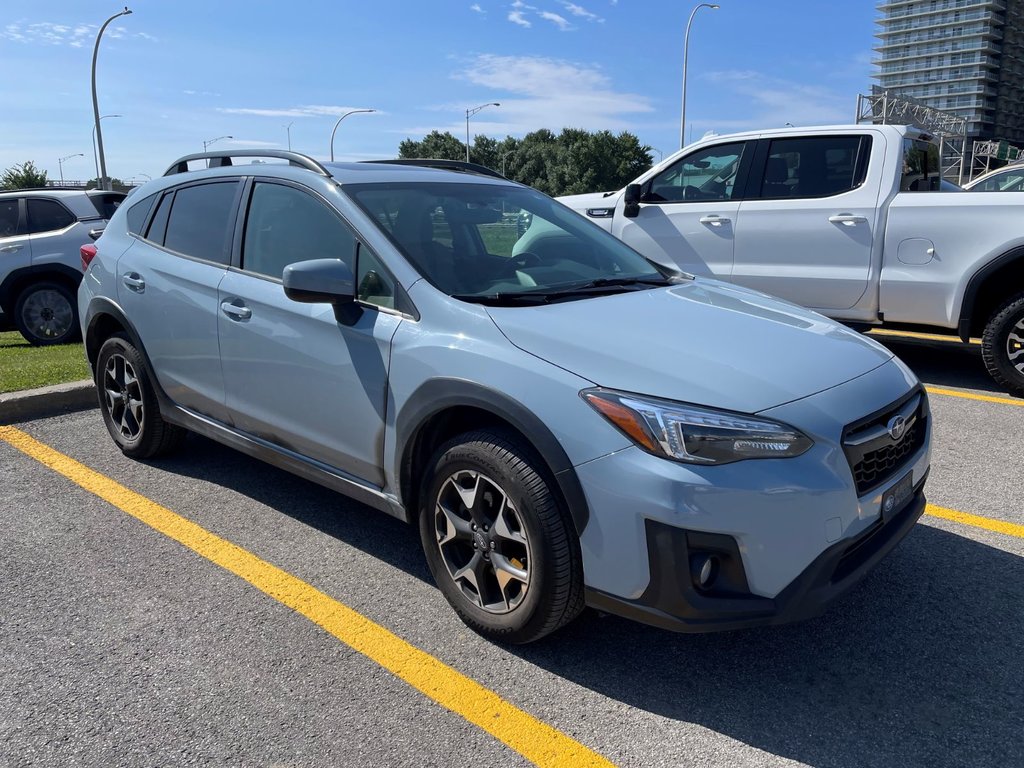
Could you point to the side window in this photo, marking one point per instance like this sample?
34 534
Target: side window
158 226
8 217
815 166
137 214
1004 182
708 174
285 225
48 216
921 172
199 219
373 283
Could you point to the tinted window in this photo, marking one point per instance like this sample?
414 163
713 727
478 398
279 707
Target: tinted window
286 225
47 216
137 214
106 203
158 226
1010 181
199 221
921 171
8 218
707 174
817 166
373 283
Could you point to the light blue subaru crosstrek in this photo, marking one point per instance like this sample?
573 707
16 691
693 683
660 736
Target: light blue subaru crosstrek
567 423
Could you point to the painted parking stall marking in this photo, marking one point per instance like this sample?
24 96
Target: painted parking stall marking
535 740
973 396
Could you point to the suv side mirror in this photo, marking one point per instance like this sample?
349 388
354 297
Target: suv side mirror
323 281
632 201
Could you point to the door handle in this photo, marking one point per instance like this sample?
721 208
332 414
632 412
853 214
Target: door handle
133 281
236 311
847 219
11 248
713 219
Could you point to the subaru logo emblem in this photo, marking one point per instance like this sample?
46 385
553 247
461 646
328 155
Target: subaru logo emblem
897 426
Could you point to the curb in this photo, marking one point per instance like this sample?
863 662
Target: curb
45 402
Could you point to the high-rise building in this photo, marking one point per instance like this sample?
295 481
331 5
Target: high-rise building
962 56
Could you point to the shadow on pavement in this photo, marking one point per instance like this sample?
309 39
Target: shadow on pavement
944 364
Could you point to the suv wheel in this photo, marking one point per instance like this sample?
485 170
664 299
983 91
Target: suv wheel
129 404
501 549
47 313
1002 345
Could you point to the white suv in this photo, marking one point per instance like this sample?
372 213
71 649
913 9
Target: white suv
41 231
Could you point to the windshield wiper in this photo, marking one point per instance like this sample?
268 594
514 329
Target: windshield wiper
598 286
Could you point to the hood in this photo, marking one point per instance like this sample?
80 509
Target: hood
590 200
701 342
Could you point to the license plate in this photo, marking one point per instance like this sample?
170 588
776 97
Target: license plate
897 497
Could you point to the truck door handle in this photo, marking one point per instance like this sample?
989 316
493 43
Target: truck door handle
713 219
847 219
134 282
236 310
11 248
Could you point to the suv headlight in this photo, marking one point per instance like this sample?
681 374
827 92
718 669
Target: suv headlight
694 434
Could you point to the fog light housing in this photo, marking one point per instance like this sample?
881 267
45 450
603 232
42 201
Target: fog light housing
703 569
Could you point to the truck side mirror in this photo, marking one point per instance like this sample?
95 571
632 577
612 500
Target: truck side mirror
632 201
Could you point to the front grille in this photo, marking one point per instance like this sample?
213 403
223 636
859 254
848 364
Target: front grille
874 456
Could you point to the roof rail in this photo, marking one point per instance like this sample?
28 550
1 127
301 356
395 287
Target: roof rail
222 158
447 165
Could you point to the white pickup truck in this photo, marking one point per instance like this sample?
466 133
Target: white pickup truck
852 221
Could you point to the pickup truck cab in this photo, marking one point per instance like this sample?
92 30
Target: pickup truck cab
852 221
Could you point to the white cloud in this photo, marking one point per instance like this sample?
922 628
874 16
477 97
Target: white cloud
312 110
579 10
476 7
77 36
252 143
516 17
558 21
773 102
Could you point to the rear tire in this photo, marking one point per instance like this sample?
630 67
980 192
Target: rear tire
47 313
1002 345
128 402
499 545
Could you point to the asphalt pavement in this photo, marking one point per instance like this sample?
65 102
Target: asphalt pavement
121 646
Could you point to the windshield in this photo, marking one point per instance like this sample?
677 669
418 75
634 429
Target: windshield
486 240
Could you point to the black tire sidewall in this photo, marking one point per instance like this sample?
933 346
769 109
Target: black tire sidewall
73 331
994 349
523 622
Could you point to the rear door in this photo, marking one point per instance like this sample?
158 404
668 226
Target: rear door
294 375
167 287
688 211
54 233
15 248
810 215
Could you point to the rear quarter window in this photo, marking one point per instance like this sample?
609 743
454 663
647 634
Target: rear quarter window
138 213
107 203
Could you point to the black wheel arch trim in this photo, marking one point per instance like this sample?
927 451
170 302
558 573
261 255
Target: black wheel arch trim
35 273
974 287
438 395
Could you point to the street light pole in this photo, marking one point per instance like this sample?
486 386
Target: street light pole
208 143
686 51
351 112
95 159
60 164
504 157
289 129
469 114
102 183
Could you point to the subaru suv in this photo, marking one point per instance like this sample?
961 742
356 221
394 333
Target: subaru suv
567 423
41 231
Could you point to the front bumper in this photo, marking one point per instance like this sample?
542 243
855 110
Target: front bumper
672 600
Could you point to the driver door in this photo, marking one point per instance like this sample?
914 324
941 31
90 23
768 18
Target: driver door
688 211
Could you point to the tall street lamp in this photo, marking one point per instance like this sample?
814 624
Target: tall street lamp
208 143
504 157
469 114
95 103
351 112
60 164
95 159
289 129
686 50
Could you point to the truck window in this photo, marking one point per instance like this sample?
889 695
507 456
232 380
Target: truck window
921 172
814 166
707 174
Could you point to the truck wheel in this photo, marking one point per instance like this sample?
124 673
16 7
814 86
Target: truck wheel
47 313
1002 345
128 402
501 549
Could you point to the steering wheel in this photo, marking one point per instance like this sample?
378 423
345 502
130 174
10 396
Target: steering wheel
520 261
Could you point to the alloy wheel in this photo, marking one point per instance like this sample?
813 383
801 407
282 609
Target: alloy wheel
122 395
1015 346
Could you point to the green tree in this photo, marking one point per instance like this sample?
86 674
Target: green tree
23 176
435 146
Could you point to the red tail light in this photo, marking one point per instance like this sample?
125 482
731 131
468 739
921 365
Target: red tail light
88 254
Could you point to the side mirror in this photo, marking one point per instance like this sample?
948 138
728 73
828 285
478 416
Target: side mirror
632 201
323 281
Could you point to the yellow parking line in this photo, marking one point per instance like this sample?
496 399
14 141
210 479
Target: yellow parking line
535 740
971 396
975 521
919 335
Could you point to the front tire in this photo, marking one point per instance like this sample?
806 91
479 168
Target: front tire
500 547
47 313
1002 345
128 402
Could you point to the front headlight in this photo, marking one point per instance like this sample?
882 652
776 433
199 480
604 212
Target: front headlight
694 434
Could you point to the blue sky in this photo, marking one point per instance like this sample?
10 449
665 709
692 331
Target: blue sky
181 72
